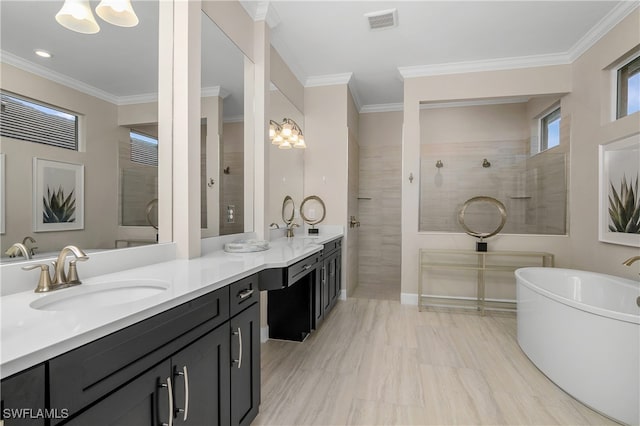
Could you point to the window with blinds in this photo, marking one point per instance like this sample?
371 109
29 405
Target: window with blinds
144 149
30 121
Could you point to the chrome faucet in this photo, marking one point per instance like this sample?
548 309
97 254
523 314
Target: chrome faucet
631 260
32 249
60 278
290 227
18 249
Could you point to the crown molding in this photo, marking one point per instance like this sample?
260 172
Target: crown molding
18 62
606 24
137 99
262 11
214 91
328 79
474 102
394 107
484 65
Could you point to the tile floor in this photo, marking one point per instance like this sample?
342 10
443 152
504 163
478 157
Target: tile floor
377 362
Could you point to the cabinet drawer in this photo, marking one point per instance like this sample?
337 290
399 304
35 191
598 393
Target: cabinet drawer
243 294
332 246
85 374
302 268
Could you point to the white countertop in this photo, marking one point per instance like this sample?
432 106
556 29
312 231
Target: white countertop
31 336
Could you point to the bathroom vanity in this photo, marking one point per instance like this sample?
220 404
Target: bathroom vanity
193 364
189 354
301 295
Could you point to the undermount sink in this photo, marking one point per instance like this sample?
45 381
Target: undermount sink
88 296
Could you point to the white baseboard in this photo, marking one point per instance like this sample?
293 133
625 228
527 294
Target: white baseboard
264 334
343 295
409 298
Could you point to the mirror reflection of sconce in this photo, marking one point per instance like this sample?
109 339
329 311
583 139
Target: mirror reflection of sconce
439 164
226 170
486 163
286 135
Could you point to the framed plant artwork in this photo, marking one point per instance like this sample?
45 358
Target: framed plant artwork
58 196
619 197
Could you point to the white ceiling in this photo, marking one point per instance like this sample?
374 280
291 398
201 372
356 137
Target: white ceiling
321 39
323 42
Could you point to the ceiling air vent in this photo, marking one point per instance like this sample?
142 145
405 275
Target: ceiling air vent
382 19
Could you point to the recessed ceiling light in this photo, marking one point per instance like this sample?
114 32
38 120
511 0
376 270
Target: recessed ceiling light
42 53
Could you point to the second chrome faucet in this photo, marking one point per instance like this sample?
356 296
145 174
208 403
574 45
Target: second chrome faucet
60 279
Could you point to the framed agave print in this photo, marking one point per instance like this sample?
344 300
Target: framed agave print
58 196
619 195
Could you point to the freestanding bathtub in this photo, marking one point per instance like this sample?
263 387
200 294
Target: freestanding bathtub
582 330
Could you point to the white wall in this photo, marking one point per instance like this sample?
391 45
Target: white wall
588 105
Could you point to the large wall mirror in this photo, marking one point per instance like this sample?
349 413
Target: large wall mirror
495 148
286 166
109 81
222 134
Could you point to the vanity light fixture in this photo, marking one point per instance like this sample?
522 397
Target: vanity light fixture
117 12
76 15
286 134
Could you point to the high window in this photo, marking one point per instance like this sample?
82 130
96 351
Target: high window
30 121
629 88
144 149
550 130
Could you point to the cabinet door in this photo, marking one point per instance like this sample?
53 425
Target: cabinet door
201 381
245 365
318 307
326 286
145 401
338 277
22 397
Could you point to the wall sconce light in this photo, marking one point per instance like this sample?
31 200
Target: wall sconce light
286 135
76 15
439 164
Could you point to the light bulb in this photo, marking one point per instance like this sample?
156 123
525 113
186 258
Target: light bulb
285 145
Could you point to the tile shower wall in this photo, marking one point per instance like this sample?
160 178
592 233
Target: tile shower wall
380 214
532 188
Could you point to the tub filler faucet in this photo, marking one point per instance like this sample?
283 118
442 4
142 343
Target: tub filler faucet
18 249
631 260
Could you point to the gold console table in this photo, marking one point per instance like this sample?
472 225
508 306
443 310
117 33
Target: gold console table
480 262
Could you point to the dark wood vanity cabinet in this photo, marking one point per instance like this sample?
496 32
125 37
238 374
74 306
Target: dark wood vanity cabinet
330 282
195 364
22 395
301 295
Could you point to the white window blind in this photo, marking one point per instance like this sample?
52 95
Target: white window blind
144 149
33 122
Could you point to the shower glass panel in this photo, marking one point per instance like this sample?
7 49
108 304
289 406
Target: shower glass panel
533 189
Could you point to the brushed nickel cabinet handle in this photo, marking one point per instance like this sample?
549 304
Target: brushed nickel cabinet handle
245 293
185 375
239 334
170 392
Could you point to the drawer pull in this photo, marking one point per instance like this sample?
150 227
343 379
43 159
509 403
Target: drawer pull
185 374
245 293
305 267
239 334
170 392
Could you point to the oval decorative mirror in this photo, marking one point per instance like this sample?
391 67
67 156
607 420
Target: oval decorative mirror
309 210
288 210
482 217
